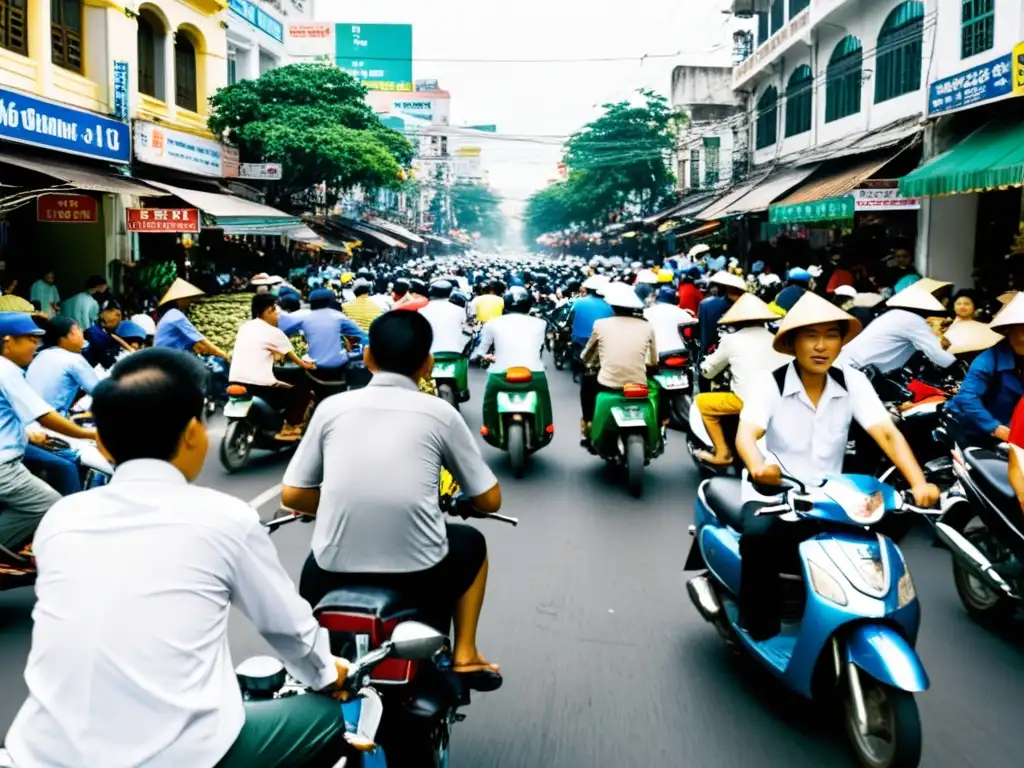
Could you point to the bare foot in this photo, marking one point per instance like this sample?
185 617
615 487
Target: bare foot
714 459
473 663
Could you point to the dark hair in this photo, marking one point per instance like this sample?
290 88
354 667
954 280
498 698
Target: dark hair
497 287
967 293
361 288
161 388
56 329
261 302
401 287
400 341
110 305
94 282
290 302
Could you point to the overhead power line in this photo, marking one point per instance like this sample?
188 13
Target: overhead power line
580 60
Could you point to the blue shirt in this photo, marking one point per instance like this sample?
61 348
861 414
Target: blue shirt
323 329
709 312
585 312
82 308
102 349
19 407
990 391
57 375
175 331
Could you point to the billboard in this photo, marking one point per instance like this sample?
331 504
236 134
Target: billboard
434 106
378 55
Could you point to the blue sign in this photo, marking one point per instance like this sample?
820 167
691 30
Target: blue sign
28 120
121 90
258 18
981 83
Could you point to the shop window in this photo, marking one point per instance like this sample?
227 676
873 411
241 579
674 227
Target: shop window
899 53
767 118
798 101
66 34
762 27
150 36
712 159
14 26
796 6
695 168
843 80
232 70
778 15
978 27
185 79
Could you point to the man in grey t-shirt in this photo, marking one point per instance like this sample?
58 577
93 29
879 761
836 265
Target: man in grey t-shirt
368 468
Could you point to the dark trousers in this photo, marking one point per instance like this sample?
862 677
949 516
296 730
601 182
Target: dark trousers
590 388
306 731
60 473
292 400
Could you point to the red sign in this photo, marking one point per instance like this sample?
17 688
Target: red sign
67 209
163 219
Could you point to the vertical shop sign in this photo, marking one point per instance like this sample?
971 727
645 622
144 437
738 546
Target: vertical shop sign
1018 69
121 90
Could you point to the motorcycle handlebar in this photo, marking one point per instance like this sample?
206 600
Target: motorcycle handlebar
290 517
464 508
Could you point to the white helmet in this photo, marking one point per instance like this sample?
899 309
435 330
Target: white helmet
146 323
623 296
596 283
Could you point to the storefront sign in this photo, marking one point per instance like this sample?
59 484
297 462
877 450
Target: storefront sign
427 85
121 90
259 18
264 171
981 83
182 151
229 162
67 209
28 120
1018 69
163 219
306 31
378 55
883 198
830 209
772 47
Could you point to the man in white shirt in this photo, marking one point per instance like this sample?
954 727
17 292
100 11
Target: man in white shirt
668 320
447 320
893 337
747 352
259 342
130 663
804 411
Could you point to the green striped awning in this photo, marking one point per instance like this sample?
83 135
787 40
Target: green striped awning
990 158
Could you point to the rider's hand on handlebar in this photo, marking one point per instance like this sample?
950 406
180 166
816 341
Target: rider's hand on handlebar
926 494
309 366
38 438
336 690
769 474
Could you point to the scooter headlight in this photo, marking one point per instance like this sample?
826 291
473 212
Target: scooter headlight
905 590
825 584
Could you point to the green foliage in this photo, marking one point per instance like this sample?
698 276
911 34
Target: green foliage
478 209
314 120
618 162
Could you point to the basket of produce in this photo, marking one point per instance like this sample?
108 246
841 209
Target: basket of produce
218 318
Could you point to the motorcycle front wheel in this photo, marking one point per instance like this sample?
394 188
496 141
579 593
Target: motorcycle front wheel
236 445
981 601
894 724
559 354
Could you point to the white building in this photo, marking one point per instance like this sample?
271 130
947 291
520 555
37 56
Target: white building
257 31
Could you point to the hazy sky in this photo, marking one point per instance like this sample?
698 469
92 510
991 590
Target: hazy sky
543 99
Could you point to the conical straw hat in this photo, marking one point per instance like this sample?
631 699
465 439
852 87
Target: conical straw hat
812 310
930 284
917 299
867 300
748 309
1005 298
970 336
180 290
1012 313
728 280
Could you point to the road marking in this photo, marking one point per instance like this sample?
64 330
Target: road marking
266 496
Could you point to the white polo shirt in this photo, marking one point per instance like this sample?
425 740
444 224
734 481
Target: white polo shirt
808 442
447 321
517 340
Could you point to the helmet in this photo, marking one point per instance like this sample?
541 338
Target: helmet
146 323
595 284
665 276
799 275
347 277
459 299
666 295
518 299
126 329
417 286
440 289
622 296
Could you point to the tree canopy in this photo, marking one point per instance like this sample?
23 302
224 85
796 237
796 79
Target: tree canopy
618 163
314 120
478 209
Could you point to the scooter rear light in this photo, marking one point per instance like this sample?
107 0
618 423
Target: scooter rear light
237 390
550 429
484 431
377 631
688 332
675 361
635 390
518 375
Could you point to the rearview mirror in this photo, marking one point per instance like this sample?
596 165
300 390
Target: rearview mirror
413 641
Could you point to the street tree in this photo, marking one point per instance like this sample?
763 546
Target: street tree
313 119
478 209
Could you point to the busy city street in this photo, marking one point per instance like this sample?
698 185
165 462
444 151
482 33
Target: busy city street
605 660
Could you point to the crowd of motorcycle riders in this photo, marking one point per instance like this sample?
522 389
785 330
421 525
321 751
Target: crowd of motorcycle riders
806 373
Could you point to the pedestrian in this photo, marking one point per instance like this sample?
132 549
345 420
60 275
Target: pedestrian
44 293
83 307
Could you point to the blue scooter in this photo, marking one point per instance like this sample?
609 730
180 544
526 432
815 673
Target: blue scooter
850 615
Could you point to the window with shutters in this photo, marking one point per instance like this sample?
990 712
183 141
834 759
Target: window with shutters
762 27
796 6
767 119
66 34
695 168
146 46
798 101
232 70
843 80
712 148
14 26
185 81
978 27
899 52
778 15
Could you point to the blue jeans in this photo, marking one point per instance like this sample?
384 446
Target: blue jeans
61 473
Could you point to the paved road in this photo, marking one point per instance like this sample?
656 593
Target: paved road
607 664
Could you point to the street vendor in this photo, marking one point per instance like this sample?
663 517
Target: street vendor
174 329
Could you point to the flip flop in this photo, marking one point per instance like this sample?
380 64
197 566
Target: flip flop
483 680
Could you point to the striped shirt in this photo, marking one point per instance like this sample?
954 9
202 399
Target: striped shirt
363 310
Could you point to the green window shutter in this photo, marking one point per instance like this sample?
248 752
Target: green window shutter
762 27
899 52
778 15
796 6
978 21
799 93
843 80
766 130
695 168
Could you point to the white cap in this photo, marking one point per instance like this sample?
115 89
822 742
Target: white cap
845 290
623 296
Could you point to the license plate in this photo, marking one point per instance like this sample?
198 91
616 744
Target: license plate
237 409
681 381
446 371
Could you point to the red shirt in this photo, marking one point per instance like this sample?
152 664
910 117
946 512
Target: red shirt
839 277
418 302
690 297
1017 426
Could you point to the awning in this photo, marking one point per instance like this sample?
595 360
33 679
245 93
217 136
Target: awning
81 178
861 143
990 158
396 229
718 208
836 184
364 233
764 193
300 233
687 207
702 230
240 216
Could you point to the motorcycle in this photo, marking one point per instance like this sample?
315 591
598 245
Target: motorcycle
517 424
850 614
676 384
626 432
451 375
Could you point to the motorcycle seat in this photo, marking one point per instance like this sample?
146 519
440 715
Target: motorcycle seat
375 601
724 495
990 472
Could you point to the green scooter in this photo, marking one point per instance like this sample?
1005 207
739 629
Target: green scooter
626 432
517 414
451 374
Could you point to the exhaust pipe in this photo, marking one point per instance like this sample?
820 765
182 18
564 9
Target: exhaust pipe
704 597
968 555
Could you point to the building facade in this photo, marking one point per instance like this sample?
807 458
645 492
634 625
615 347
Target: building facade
257 35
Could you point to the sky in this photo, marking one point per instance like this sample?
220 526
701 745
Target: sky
536 105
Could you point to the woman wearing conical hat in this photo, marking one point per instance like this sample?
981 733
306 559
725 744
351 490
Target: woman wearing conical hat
803 410
174 329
